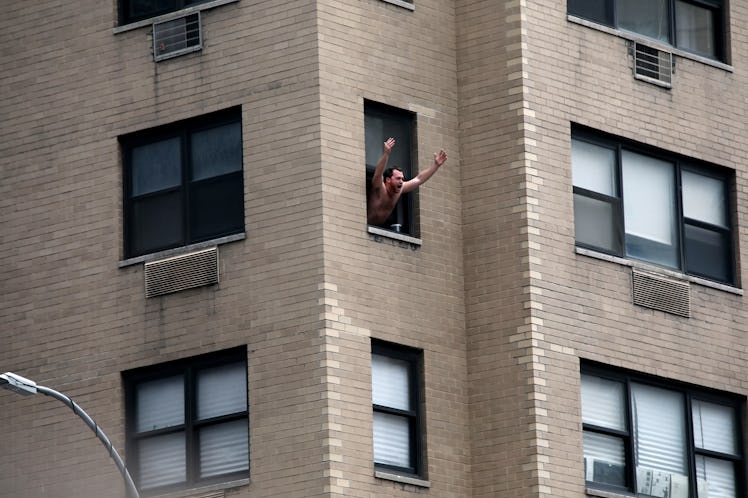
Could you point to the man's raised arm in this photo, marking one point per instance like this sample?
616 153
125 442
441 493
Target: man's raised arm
412 184
376 180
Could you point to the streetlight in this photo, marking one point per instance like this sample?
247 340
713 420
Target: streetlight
27 387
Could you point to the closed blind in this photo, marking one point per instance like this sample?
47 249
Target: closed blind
659 429
224 448
603 402
390 382
162 460
391 440
160 403
221 390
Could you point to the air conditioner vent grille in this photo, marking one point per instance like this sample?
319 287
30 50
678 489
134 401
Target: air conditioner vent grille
662 293
653 65
181 272
175 37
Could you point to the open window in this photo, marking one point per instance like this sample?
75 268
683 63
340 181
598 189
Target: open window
381 123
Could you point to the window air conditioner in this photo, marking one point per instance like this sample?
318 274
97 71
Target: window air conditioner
652 65
177 36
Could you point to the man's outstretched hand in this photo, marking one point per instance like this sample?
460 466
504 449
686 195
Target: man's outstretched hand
389 144
440 157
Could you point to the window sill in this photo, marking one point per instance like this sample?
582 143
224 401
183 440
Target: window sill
170 15
400 3
627 35
203 491
599 493
180 250
377 233
658 269
388 476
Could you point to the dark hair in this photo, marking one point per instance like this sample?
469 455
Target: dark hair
388 172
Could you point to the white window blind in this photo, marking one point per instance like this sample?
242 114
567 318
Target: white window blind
162 460
594 167
659 429
704 198
649 190
390 382
718 476
224 448
603 402
221 390
391 440
160 404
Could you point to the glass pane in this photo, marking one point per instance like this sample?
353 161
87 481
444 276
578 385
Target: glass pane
659 429
594 167
162 460
603 402
604 459
595 224
146 8
694 28
224 448
595 10
716 478
156 223
160 403
390 379
216 151
704 198
714 427
708 253
650 209
217 207
221 390
646 17
156 166
374 130
391 440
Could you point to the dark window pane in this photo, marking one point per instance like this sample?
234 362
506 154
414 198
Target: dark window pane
156 166
695 28
216 151
140 9
595 10
708 253
156 223
217 207
595 224
646 17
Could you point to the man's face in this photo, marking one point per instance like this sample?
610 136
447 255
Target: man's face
395 182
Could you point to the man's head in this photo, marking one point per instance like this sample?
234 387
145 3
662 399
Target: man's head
393 180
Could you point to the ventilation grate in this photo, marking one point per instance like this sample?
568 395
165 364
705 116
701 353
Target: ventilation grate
177 37
653 65
181 272
662 293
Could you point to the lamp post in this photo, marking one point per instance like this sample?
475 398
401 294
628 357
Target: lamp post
27 387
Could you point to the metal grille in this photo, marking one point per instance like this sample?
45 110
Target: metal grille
181 272
177 37
662 293
653 65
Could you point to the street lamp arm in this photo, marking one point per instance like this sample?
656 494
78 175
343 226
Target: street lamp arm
28 387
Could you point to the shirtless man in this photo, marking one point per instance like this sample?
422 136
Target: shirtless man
387 186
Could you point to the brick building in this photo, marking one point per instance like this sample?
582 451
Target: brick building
186 253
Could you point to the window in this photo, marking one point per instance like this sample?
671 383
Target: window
183 183
187 421
640 203
396 399
136 10
696 26
660 439
381 123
